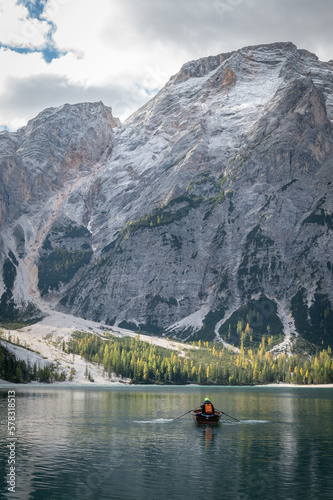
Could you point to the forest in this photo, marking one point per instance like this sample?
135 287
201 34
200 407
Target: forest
205 363
20 372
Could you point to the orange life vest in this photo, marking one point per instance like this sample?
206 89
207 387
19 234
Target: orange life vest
208 408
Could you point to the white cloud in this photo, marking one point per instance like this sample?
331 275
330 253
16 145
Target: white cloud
17 29
108 46
123 51
18 65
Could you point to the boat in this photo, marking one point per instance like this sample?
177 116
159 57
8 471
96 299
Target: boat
201 418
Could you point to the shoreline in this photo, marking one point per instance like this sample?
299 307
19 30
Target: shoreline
125 383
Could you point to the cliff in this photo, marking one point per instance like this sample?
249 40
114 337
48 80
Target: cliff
207 214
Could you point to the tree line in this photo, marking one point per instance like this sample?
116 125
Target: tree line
144 363
204 363
20 372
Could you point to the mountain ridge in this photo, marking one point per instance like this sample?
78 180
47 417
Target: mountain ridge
213 196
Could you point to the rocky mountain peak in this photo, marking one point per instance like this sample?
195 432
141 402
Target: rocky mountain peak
56 146
210 208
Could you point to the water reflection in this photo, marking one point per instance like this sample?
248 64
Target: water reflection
208 437
123 443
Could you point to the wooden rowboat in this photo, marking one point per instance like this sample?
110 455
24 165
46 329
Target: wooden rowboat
199 418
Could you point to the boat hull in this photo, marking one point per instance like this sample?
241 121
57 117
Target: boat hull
201 419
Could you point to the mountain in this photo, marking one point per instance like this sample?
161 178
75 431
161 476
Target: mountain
40 166
208 213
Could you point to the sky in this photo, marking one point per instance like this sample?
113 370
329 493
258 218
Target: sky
122 52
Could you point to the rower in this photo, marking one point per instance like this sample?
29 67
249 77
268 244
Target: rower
207 407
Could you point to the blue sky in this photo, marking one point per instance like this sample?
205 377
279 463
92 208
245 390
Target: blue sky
35 11
123 51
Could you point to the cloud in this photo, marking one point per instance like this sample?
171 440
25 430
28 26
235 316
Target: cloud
207 27
122 52
18 29
25 28
31 95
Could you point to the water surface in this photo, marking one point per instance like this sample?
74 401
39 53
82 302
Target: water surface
121 443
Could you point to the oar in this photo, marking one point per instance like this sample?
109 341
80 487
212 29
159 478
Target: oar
187 412
229 415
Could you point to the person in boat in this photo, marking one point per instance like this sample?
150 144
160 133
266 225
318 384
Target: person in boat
207 407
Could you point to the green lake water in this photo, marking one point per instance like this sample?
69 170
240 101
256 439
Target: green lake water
120 443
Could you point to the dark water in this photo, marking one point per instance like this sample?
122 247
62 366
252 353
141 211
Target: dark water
120 443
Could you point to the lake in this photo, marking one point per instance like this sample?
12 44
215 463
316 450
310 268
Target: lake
121 443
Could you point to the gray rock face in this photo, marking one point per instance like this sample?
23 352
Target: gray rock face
215 193
59 145
40 166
